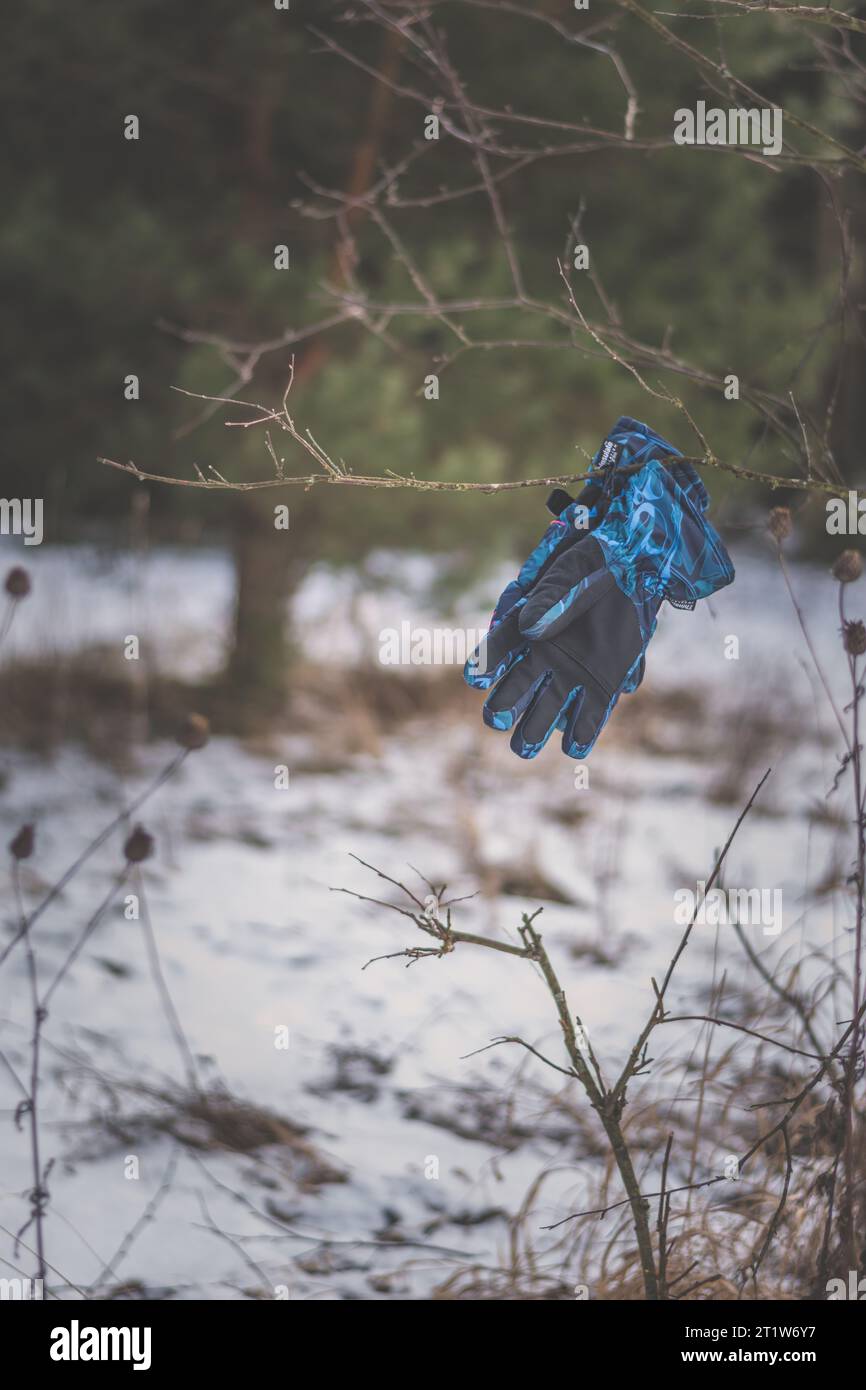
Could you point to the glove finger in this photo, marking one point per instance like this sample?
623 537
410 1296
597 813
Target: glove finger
541 718
501 647
571 587
513 695
586 719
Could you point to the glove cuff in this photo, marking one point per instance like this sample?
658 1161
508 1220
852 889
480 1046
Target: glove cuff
657 541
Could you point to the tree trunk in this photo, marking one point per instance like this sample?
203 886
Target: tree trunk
258 663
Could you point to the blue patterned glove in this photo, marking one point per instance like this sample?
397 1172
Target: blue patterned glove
569 635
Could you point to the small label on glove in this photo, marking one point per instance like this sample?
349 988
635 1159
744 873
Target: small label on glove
610 455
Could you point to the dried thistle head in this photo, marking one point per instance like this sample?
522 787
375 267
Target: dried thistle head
21 846
194 732
854 637
139 846
848 567
17 583
779 523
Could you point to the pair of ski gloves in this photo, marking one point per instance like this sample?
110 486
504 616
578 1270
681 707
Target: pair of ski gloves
569 634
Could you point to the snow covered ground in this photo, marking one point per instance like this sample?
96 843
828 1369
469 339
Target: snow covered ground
412 1161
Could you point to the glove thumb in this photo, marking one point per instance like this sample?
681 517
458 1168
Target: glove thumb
572 585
